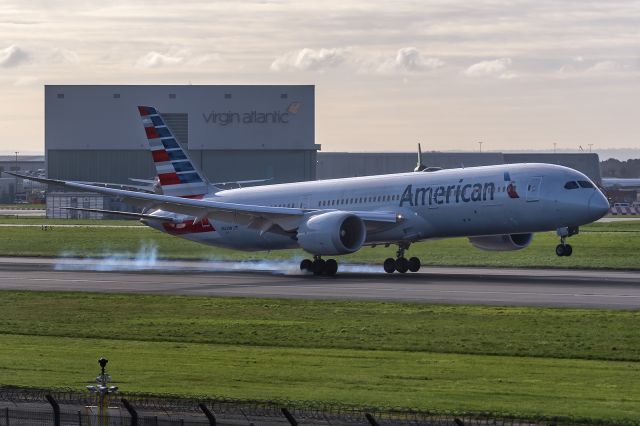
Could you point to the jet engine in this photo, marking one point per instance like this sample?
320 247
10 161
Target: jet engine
502 242
332 233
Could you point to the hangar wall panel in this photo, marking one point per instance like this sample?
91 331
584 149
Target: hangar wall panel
117 166
100 165
220 117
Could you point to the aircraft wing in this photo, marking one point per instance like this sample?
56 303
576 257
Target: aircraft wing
119 213
119 186
263 217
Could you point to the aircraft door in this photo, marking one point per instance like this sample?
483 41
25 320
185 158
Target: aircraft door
304 202
533 188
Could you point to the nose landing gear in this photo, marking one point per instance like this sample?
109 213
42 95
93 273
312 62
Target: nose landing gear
401 264
564 249
319 266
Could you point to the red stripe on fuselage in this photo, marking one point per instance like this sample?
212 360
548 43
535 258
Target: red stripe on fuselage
187 227
196 197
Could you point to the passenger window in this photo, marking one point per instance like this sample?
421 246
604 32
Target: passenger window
570 185
585 184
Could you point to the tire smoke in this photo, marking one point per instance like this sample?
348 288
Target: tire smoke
146 259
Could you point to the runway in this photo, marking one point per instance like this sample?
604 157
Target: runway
489 286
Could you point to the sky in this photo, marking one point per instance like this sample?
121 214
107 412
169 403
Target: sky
515 75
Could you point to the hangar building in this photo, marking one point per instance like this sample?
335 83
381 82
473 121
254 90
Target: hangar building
94 133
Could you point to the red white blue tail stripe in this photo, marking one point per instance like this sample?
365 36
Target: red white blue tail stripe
178 177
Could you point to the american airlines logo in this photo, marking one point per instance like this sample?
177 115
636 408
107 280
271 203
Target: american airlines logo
431 195
252 117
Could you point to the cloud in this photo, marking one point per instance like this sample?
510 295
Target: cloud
204 59
62 56
496 68
604 67
310 60
409 60
28 81
12 56
158 60
597 69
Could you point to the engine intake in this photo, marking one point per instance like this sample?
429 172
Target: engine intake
332 233
506 242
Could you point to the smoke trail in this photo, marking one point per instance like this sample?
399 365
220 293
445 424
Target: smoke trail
146 259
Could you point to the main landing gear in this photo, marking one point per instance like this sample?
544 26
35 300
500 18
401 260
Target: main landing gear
319 266
401 264
564 249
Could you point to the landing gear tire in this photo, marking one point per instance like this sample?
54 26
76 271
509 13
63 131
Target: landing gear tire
568 250
306 265
330 267
318 266
564 250
414 264
402 265
389 265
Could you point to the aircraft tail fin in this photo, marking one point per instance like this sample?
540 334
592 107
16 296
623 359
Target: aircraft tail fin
420 166
177 174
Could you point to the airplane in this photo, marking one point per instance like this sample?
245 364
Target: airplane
621 184
497 207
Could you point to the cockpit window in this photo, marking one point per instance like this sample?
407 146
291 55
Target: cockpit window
571 185
585 184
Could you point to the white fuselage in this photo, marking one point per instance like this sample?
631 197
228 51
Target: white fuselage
491 200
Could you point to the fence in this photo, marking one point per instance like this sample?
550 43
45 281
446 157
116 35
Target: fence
21 407
624 210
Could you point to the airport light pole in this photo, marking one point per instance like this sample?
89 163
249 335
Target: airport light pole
554 147
15 191
480 143
102 392
590 145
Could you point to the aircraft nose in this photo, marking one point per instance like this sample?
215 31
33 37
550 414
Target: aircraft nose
598 205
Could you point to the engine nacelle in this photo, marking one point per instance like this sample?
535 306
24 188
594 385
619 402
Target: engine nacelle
502 242
332 233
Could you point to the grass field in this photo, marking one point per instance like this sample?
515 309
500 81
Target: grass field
22 206
601 245
529 361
